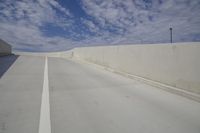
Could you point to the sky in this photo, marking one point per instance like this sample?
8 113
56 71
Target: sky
59 25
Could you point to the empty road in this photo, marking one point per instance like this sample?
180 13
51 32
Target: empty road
43 95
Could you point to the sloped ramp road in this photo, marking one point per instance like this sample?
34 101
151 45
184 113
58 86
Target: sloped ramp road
39 94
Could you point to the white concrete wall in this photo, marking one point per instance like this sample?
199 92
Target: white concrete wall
5 48
176 65
49 54
64 54
68 54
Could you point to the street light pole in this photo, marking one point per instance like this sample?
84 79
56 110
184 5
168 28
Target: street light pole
170 34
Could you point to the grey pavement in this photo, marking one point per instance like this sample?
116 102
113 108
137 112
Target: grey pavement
20 95
85 99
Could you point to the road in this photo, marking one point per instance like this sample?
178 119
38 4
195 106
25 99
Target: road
86 99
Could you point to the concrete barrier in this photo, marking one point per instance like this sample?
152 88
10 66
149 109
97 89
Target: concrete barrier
5 48
64 54
175 65
49 54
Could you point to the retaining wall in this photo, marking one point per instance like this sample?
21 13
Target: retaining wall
176 65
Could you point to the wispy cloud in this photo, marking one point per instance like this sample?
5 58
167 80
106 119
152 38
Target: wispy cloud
21 23
148 21
46 25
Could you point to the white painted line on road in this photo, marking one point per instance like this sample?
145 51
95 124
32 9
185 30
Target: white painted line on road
45 123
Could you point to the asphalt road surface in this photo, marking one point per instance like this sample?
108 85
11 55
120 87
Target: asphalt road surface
43 95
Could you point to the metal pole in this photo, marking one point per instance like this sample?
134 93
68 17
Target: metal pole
170 34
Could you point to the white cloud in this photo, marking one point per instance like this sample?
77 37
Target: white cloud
146 21
20 23
91 26
109 22
32 12
30 38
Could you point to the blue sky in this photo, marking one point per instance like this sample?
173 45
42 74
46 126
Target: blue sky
57 25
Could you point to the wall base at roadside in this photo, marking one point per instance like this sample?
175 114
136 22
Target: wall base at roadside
178 91
174 66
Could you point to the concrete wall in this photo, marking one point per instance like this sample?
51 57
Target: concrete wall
68 54
176 65
49 54
5 48
64 54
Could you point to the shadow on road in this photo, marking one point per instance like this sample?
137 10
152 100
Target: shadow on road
6 62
